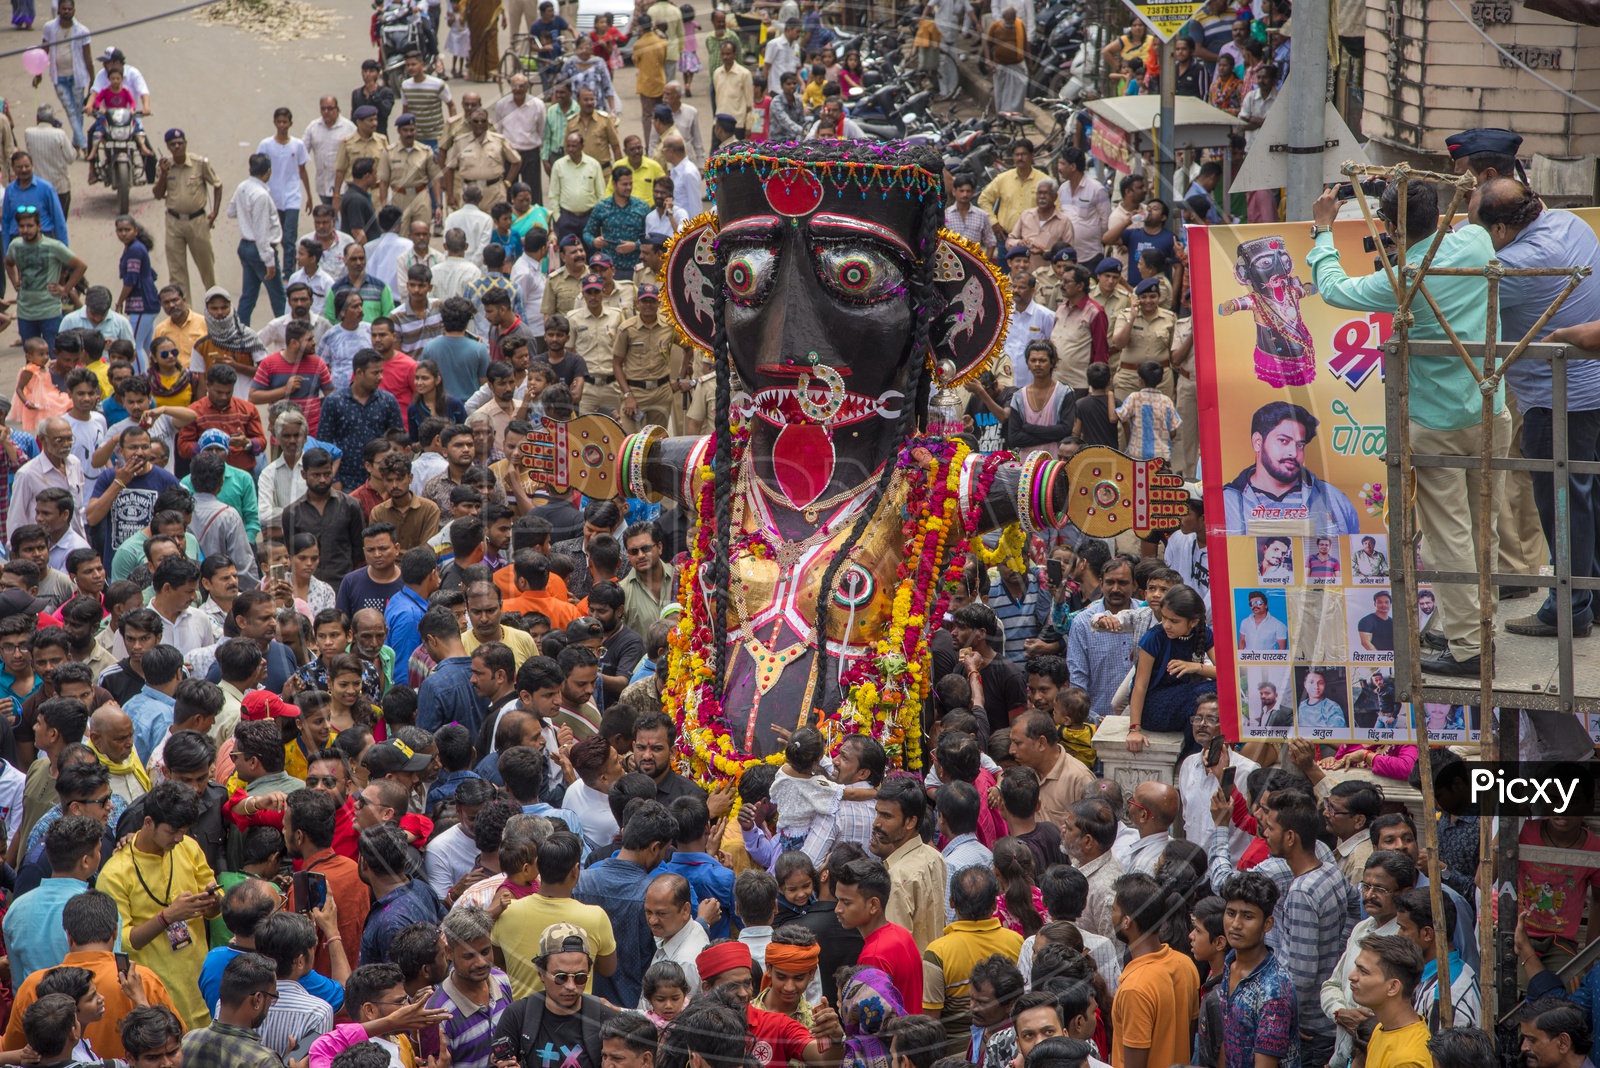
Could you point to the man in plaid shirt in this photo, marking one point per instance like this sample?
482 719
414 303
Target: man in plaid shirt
1314 918
967 219
249 988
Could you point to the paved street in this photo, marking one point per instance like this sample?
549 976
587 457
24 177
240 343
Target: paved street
220 84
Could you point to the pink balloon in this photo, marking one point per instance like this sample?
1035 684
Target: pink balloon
35 61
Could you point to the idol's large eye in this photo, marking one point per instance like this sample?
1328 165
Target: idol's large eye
858 274
749 274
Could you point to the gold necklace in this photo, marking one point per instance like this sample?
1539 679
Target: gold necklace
812 511
786 552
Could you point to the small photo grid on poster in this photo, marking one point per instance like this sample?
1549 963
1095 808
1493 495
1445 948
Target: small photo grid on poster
1262 626
1369 616
1375 711
1426 606
1266 701
1275 560
1458 724
1369 559
1322 702
1323 564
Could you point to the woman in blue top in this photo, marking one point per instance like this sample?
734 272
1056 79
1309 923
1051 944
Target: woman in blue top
1172 671
431 399
138 300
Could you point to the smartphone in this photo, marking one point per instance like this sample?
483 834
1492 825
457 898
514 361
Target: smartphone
502 1049
1214 751
310 890
278 572
122 963
1054 571
1227 780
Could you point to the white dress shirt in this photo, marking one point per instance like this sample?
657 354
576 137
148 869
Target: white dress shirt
280 485
1033 323
1196 788
258 218
322 142
682 949
1122 848
688 191
383 260
655 224
527 274
522 127
476 224
687 120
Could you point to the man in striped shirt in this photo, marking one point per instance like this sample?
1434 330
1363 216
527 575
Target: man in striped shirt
476 993
289 940
426 98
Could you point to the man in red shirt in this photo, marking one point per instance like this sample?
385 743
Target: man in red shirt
398 368
861 891
310 822
775 1040
220 409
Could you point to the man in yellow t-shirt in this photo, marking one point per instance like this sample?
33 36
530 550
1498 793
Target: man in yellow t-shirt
519 923
1387 971
483 611
165 891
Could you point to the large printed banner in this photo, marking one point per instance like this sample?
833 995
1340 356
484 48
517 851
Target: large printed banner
1293 440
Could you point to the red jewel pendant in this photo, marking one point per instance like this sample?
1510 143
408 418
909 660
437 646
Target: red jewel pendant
793 192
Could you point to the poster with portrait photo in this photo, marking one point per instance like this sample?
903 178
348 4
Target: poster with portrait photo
1262 633
1375 710
1448 724
1275 560
1369 559
1426 606
1323 565
1369 615
1322 702
1266 701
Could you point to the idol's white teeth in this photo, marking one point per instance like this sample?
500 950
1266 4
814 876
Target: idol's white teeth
780 406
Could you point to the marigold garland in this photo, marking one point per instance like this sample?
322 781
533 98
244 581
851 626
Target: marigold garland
1009 550
885 691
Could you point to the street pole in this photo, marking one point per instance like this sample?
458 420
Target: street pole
1166 153
1307 93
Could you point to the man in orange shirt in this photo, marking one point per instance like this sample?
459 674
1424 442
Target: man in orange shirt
308 826
531 572
1158 997
529 532
91 922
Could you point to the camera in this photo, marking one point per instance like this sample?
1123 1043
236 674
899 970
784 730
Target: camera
1391 253
1372 187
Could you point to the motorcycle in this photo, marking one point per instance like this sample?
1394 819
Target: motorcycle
403 28
120 163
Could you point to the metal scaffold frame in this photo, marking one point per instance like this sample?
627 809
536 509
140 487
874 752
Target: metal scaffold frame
1497 865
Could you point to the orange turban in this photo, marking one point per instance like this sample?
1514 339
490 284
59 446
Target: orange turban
795 959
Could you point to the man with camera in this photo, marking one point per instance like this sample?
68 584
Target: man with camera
1446 410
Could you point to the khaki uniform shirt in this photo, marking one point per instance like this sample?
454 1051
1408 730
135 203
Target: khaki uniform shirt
1115 305
600 140
1150 339
375 148
561 293
483 161
643 350
187 183
593 337
454 130
411 169
622 296
1046 287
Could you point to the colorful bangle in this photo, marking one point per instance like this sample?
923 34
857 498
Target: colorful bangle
1027 489
691 467
634 452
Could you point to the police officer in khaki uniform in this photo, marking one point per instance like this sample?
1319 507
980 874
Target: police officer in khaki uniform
563 290
1143 332
643 373
1112 291
619 293
181 182
594 335
1047 279
366 142
454 130
413 175
482 156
